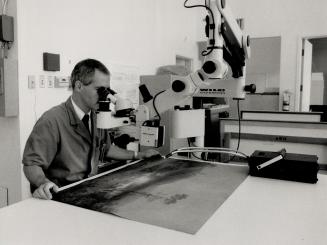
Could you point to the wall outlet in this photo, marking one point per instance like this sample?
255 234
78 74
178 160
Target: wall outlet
31 82
51 81
42 81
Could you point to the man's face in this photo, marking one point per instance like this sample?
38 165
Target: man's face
89 94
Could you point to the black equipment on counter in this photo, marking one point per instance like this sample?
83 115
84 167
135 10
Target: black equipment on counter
287 166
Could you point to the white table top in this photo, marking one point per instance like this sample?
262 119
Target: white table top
260 211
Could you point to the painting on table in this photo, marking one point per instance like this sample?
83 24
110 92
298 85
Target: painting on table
171 193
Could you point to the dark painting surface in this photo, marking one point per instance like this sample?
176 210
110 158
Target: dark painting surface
176 194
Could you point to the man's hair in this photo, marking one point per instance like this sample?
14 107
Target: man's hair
84 71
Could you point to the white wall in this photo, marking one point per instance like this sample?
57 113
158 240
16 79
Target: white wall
263 68
142 33
290 19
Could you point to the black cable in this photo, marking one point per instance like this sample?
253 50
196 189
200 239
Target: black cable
239 128
212 47
239 125
154 105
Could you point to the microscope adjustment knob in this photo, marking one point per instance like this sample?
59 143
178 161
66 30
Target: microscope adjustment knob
251 88
178 86
209 67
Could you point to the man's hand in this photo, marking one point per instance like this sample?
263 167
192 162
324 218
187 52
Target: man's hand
44 190
148 154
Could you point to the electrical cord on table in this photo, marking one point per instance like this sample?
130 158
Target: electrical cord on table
208 150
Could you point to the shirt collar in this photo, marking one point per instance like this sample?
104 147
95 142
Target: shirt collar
80 114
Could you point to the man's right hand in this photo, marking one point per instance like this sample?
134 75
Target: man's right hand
44 190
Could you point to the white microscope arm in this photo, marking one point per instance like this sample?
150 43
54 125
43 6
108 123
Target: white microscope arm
227 47
226 43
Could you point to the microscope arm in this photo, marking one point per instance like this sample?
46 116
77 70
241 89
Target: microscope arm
226 43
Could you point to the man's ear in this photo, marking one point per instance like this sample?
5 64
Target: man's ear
78 85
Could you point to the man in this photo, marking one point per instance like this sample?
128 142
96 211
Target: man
64 145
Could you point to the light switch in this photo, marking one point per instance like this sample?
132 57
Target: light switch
51 81
31 82
42 81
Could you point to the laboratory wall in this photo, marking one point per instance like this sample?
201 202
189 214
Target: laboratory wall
290 19
10 174
263 69
143 34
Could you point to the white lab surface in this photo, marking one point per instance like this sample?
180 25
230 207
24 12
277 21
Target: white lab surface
260 211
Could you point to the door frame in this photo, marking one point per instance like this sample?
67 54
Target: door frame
306 71
297 105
